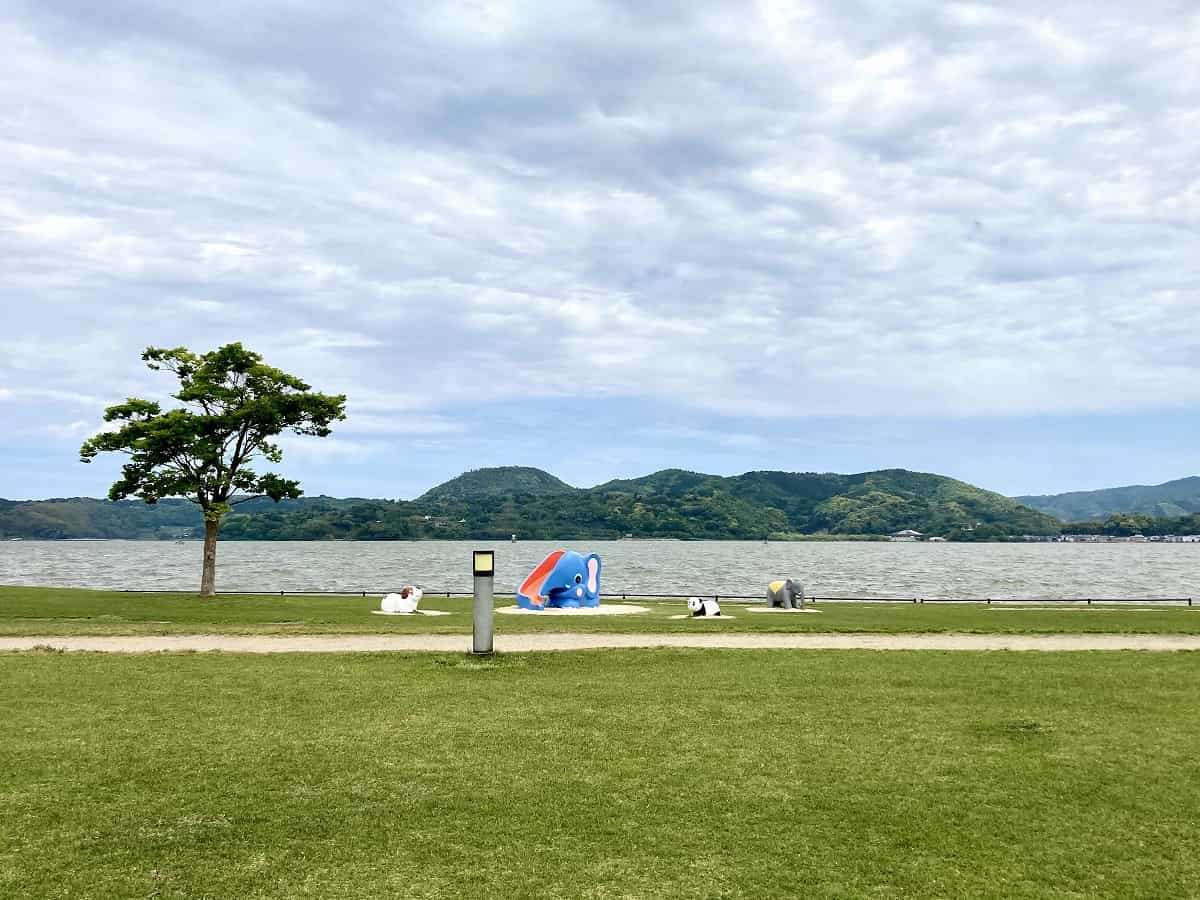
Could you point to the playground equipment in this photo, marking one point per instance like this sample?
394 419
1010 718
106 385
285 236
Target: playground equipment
703 608
404 602
564 579
785 595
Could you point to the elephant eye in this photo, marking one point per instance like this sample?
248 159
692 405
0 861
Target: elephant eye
579 579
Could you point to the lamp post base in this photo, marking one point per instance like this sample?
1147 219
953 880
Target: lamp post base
481 634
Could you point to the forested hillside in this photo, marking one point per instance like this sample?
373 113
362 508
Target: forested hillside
86 518
495 503
502 481
1169 500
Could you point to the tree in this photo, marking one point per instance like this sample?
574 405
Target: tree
1128 524
233 405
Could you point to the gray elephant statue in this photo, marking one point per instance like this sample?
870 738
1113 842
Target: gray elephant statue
785 595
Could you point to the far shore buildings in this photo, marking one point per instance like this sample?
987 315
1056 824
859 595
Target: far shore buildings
909 535
1132 539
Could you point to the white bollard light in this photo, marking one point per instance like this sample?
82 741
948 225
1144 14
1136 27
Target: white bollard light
483 564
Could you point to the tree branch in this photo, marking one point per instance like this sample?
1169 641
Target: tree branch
225 480
242 500
181 461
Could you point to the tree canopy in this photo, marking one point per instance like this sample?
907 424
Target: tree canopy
233 406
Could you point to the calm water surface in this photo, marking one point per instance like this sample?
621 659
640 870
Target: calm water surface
1018 571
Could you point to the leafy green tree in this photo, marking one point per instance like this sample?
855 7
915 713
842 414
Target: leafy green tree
1128 524
233 406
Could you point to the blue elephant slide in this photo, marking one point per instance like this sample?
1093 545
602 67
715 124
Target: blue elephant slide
563 580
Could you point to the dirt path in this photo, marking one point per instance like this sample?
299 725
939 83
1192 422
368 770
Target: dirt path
367 643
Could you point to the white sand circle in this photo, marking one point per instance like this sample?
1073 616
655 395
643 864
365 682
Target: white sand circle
609 609
419 612
779 609
721 618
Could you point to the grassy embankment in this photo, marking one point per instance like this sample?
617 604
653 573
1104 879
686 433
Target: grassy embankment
611 774
57 611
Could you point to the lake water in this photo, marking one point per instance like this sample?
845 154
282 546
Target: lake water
963 571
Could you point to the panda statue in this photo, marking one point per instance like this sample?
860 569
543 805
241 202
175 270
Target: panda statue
703 608
403 603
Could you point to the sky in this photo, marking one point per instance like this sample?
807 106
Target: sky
605 238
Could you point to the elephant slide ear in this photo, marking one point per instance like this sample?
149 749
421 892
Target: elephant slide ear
593 570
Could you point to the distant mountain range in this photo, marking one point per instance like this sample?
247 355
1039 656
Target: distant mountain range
79 518
494 503
1169 500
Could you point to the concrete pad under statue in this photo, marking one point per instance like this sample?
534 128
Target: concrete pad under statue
415 612
780 609
610 609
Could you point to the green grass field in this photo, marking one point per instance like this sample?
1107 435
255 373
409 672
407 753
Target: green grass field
600 774
56 611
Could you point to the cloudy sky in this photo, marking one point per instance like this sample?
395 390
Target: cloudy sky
609 237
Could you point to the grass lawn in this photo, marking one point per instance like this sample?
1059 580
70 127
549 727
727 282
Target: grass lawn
61 611
669 773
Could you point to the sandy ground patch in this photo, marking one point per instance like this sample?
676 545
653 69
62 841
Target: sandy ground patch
419 612
522 643
779 609
604 609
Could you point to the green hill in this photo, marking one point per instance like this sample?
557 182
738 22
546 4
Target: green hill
82 517
494 503
1170 500
501 481
763 503
85 518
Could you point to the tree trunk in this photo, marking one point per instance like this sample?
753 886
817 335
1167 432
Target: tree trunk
208 580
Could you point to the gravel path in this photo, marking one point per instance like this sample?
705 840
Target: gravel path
454 643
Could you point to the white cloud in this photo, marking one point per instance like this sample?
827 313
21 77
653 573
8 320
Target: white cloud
727 439
80 428
42 395
327 450
795 210
203 306
401 424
